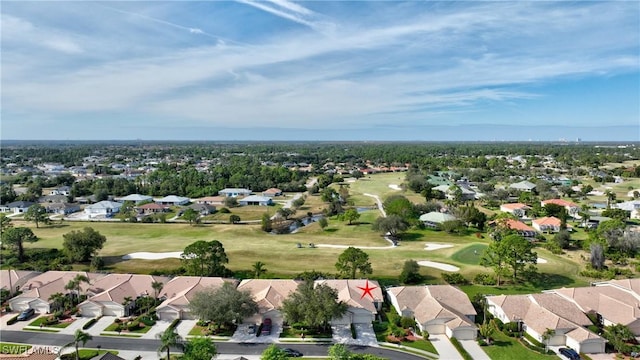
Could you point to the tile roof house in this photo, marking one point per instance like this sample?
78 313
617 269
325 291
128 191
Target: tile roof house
547 224
523 186
203 209
13 280
179 291
234 192
62 208
104 208
363 305
107 295
62 190
517 209
438 309
571 208
518 226
135 198
210 200
152 208
538 312
632 206
173 200
256 200
37 290
269 294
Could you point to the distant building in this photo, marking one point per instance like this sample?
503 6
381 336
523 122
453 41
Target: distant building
234 192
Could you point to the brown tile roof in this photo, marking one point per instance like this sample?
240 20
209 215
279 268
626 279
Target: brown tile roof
434 302
180 290
562 307
269 293
515 206
351 292
15 278
560 202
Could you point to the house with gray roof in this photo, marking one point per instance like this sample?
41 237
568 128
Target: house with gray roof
173 200
525 185
16 207
234 192
256 200
135 198
435 218
104 208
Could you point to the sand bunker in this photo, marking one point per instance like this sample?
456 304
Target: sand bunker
153 256
434 246
437 265
395 187
542 261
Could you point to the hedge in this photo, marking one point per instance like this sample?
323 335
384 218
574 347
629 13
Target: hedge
461 350
13 320
174 323
353 331
89 323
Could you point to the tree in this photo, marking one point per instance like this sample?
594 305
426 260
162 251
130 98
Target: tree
265 223
223 305
230 202
37 214
618 336
611 196
59 301
16 237
472 216
75 284
82 245
597 256
351 215
258 269
199 348
285 213
79 337
546 336
203 258
562 239
392 225
353 260
400 206
323 222
486 329
513 251
168 338
234 219
157 287
312 305
5 223
339 352
191 216
410 273
556 210
127 211
274 353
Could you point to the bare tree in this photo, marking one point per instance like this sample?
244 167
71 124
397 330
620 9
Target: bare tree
597 256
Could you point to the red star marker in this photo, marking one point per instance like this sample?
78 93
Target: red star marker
366 290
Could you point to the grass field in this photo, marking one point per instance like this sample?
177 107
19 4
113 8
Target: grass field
469 255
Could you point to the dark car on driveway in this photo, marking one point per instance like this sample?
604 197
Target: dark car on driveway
292 352
569 353
26 314
266 327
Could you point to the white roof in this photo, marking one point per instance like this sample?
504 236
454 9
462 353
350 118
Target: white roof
523 185
256 198
135 197
436 217
106 204
173 199
235 190
629 205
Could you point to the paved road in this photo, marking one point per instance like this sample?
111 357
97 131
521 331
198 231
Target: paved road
122 343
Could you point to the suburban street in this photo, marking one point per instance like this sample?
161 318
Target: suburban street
122 343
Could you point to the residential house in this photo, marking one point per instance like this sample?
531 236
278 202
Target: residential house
633 207
363 298
517 209
203 209
62 208
210 200
104 208
272 192
173 200
615 301
450 191
518 226
13 280
178 292
525 186
115 294
62 190
548 224
572 208
16 207
438 309
234 192
38 289
152 208
135 198
53 199
269 295
538 312
593 221
256 200
434 219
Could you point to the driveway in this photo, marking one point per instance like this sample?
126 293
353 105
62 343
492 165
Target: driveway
365 335
243 335
100 325
184 327
474 350
445 348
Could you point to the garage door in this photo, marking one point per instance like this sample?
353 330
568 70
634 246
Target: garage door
42 308
362 318
113 311
435 329
464 334
19 306
168 315
90 311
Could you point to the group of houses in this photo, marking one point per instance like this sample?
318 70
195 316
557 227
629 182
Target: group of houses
570 312
438 309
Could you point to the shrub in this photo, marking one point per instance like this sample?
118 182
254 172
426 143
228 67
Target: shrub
407 322
594 329
173 324
89 323
13 320
485 279
224 210
148 321
117 321
454 278
425 335
353 331
461 350
134 325
499 324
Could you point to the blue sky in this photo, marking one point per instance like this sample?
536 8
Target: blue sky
321 70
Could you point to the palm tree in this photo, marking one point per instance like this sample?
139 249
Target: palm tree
79 279
610 197
157 287
59 300
72 285
168 339
79 337
258 269
546 336
486 330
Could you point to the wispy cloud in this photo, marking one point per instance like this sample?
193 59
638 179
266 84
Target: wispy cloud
292 11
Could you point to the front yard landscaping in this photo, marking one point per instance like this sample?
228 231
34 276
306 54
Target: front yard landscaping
139 325
204 328
56 320
397 330
296 331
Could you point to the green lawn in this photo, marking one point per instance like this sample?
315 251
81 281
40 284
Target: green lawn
469 255
506 348
42 319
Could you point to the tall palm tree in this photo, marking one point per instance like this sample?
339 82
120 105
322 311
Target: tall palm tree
157 287
168 339
71 286
79 337
546 336
258 269
79 279
610 197
59 300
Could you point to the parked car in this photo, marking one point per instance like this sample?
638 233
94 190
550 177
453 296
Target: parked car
570 353
26 314
266 327
292 352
